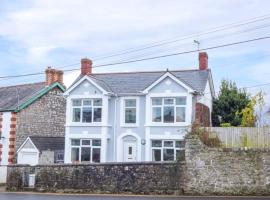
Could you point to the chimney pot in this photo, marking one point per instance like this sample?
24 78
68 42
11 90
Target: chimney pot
203 61
53 75
86 66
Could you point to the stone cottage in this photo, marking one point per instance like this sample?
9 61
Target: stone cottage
36 109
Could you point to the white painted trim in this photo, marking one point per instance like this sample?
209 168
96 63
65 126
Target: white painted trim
67 92
104 113
67 153
120 144
115 128
166 137
147 144
148 112
25 141
103 136
29 151
122 112
85 135
6 116
104 144
78 124
178 94
168 74
86 96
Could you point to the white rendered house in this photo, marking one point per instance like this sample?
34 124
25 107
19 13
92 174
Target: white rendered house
135 116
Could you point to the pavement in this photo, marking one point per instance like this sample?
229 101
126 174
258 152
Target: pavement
38 196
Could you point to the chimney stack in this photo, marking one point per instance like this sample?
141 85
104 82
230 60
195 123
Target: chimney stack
203 61
86 66
53 76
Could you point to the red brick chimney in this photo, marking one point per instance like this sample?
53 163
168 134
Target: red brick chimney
86 66
203 60
53 76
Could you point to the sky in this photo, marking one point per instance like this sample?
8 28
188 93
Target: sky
35 34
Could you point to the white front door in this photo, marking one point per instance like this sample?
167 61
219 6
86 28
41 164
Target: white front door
130 151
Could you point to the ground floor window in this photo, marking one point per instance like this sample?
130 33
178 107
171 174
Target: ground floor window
85 150
167 150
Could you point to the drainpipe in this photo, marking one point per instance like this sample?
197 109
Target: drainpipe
114 127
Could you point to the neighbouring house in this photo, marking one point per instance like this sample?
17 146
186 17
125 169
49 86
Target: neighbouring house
41 150
36 109
135 116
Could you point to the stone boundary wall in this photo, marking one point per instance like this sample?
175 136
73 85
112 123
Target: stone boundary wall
213 171
136 178
205 171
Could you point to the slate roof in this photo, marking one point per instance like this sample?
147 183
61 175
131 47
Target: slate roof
48 143
13 96
136 82
17 97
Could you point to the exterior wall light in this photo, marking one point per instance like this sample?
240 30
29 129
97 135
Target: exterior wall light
143 141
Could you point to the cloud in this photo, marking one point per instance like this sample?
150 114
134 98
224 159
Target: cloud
98 27
49 32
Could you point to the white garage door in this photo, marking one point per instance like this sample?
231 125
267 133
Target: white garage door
30 158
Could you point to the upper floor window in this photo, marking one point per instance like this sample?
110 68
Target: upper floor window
130 109
87 110
169 110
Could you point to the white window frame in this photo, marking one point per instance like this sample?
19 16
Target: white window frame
123 109
162 109
81 110
90 146
163 147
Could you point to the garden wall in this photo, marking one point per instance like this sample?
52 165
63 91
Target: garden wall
211 171
206 171
137 178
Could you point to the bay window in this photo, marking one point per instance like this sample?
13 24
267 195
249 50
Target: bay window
169 110
85 150
86 110
167 150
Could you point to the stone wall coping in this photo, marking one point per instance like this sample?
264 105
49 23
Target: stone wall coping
101 164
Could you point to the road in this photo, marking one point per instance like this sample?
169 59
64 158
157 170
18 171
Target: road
23 196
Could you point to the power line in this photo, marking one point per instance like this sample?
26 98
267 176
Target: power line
165 42
149 58
184 52
207 39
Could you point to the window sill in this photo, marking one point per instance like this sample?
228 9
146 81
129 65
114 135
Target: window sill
129 125
168 125
87 124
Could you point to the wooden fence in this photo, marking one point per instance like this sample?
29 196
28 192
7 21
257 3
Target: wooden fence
242 137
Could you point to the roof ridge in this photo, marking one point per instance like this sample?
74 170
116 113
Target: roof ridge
10 86
46 136
137 72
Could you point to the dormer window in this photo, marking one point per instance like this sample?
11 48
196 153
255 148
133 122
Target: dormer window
86 110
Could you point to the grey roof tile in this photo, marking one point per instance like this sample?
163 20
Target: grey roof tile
48 143
135 82
13 96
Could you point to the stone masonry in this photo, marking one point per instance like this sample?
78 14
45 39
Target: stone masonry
211 171
136 178
205 171
44 117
